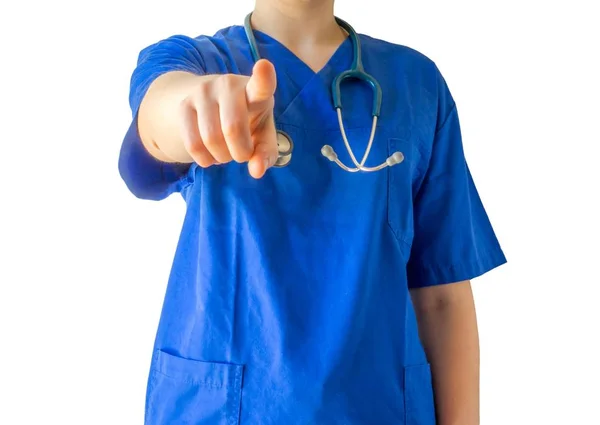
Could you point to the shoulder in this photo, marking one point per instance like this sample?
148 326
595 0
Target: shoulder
189 42
216 53
397 53
397 60
408 69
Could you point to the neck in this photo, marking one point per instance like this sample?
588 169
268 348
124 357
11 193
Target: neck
297 23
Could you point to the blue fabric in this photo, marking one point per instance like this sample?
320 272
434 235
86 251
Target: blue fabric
288 301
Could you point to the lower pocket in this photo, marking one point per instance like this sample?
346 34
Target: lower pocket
183 391
418 395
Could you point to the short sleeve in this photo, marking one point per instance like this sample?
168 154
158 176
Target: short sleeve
145 176
453 237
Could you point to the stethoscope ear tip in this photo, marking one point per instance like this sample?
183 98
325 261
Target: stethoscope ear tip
328 152
396 158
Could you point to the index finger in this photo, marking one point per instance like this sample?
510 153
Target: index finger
262 84
265 149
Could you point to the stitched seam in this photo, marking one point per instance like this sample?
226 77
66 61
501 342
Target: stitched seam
436 267
446 118
400 237
186 379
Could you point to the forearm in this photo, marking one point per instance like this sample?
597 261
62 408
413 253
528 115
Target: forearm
448 329
159 116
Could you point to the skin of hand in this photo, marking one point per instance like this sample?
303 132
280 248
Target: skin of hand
230 118
212 119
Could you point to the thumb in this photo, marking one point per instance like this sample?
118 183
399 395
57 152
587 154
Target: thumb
263 82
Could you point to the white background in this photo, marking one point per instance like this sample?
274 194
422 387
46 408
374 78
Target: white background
84 264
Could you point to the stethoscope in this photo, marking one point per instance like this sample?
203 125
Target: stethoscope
285 145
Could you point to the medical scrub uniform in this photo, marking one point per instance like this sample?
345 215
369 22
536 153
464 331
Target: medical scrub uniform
288 301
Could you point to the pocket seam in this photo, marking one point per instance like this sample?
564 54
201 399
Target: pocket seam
209 385
190 371
236 399
213 379
403 237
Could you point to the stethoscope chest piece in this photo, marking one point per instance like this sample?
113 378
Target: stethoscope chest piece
285 146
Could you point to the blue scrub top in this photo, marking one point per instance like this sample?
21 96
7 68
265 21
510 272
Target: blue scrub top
288 302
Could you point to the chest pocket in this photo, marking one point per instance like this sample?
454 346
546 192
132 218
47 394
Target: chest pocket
368 187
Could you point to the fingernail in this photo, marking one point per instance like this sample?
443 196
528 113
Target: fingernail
267 162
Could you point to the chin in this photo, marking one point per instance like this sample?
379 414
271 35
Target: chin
307 1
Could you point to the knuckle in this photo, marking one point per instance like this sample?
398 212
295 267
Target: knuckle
228 82
203 90
185 105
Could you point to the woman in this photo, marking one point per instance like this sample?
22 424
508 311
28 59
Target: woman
307 294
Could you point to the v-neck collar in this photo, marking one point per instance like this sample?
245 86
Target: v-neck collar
298 85
271 42
272 49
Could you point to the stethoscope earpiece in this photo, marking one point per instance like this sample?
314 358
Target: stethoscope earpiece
396 158
328 152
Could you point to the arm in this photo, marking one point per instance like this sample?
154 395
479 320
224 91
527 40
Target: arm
448 330
169 85
454 241
147 172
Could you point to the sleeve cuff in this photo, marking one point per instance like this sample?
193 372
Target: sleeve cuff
423 276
